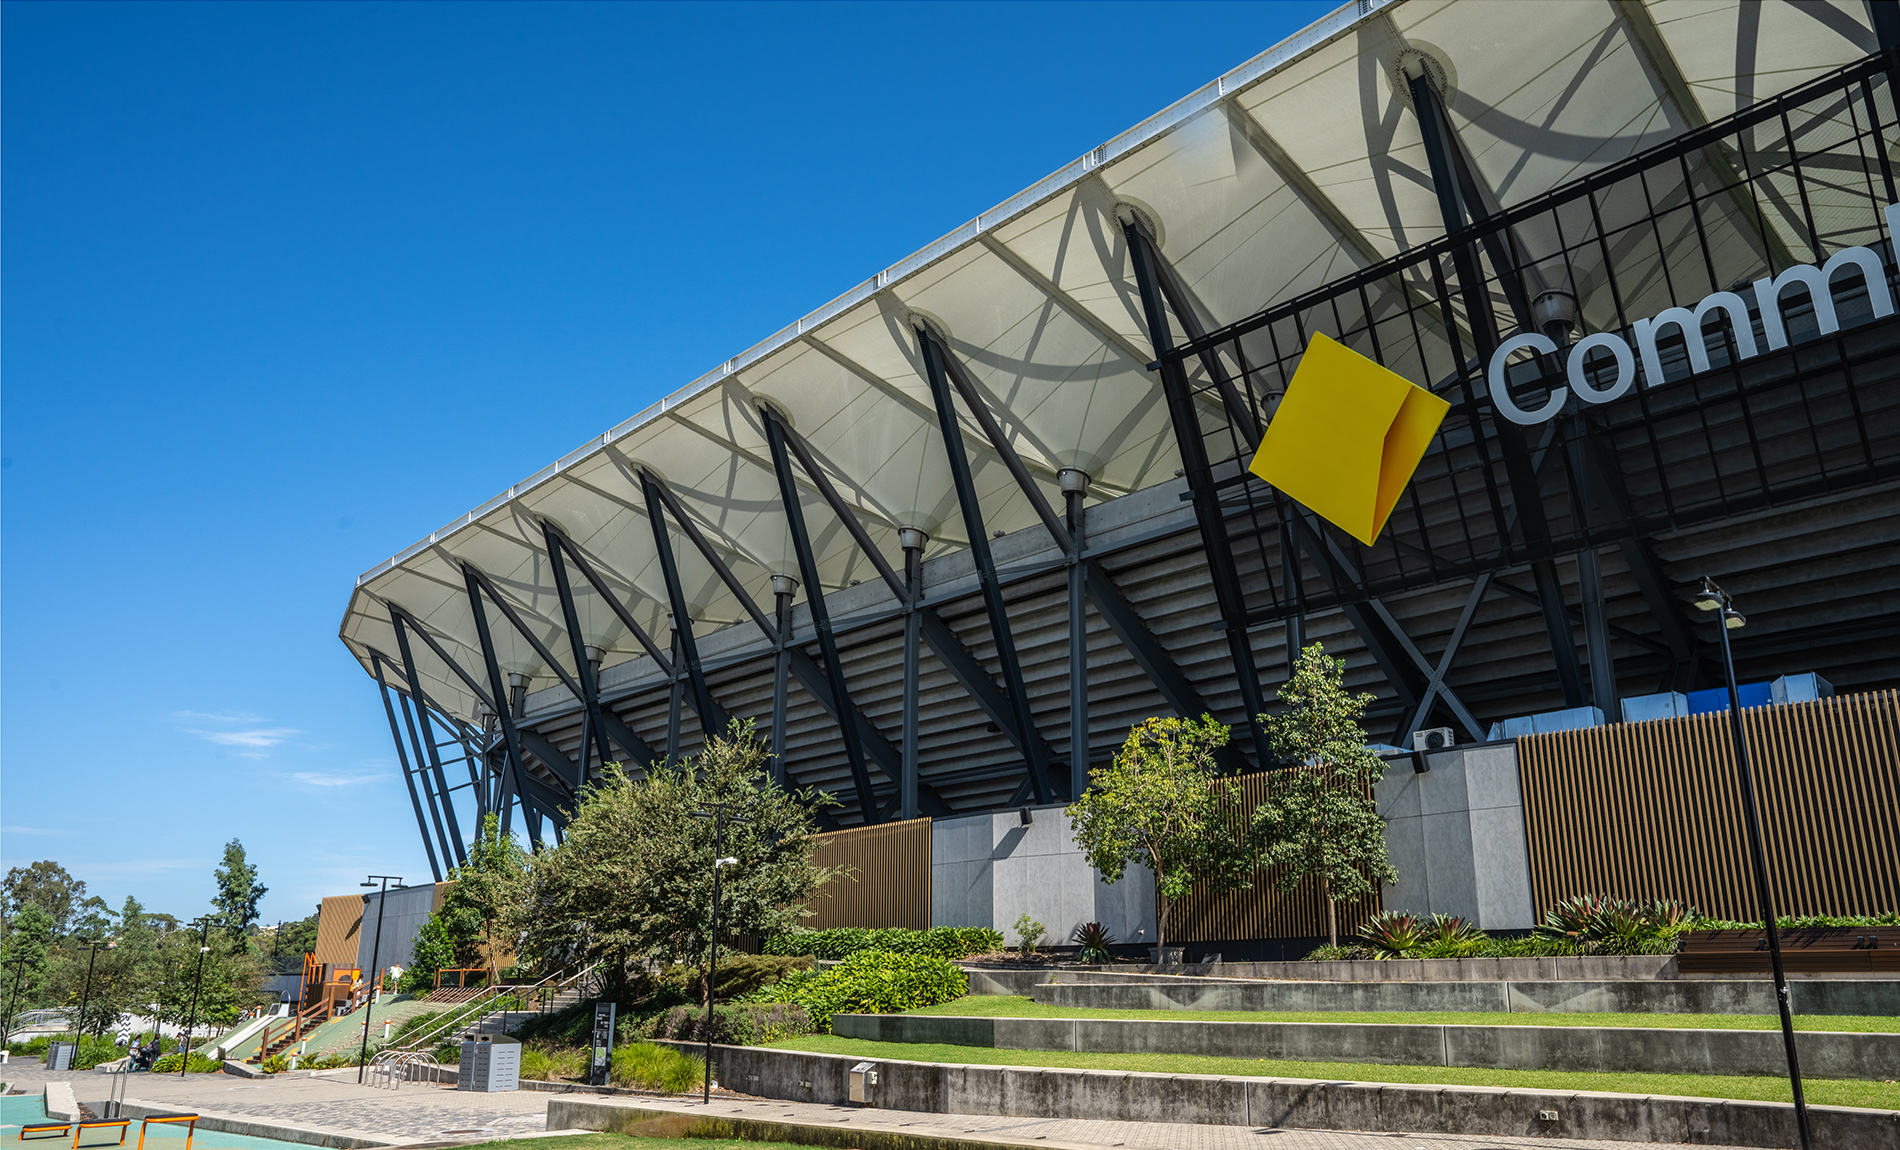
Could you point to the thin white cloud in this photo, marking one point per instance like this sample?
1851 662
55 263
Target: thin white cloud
218 716
257 738
320 779
35 831
137 868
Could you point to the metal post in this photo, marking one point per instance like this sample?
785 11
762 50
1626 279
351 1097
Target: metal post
409 710
784 587
1757 856
1292 585
375 953
191 1022
85 996
13 998
1596 633
935 364
1075 486
820 616
912 539
718 813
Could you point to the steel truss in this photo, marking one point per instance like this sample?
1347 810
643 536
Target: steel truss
1493 511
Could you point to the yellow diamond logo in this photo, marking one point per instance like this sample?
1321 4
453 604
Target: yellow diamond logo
1347 437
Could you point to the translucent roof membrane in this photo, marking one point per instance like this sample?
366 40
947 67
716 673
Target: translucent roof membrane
1292 170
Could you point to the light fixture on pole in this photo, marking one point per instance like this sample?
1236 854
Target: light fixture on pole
1712 598
191 1022
95 946
718 813
375 952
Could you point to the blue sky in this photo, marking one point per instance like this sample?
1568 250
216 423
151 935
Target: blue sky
285 287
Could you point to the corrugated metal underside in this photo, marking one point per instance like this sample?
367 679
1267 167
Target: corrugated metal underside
1820 580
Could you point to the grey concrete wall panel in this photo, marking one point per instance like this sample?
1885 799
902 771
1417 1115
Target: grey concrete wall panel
404 912
1456 836
990 869
1824 1054
1270 1103
1860 997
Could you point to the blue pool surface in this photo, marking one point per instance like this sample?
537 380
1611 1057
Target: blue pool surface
19 1110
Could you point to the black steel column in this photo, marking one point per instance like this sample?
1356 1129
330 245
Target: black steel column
784 587
583 666
913 541
401 627
820 616
1527 497
682 620
1075 486
408 708
402 757
1207 510
1029 740
504 712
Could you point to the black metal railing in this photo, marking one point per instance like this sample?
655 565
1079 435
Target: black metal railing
1789 181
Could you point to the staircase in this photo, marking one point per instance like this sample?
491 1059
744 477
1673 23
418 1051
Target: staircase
491 1012
321 1002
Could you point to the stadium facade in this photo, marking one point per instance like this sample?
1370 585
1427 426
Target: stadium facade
946 537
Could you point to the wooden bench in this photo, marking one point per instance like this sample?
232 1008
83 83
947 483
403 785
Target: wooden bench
1870 950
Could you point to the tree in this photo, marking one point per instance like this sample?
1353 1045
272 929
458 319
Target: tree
633 880
44 884
1158 805
488 890
1319 819
449 939
27 945
93 918
239 892
232 979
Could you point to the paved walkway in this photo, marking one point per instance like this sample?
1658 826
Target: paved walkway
333 1103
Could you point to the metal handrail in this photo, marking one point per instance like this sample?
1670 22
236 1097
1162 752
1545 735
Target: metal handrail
475 1008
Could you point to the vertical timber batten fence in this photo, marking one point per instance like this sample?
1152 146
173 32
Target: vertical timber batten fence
1651 810
891 886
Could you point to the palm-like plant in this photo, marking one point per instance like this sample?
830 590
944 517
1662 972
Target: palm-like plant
1094 939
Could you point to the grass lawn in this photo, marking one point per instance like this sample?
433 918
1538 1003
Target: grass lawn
1820 1091
1020 1006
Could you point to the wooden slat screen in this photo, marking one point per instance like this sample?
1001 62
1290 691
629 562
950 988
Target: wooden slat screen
1651 810
1262 911
339 918
892 884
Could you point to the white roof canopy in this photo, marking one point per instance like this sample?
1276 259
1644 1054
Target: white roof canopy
1292 170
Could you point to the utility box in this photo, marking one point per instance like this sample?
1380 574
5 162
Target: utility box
1806 688
59 1055
1647 708
863 1078
491 1066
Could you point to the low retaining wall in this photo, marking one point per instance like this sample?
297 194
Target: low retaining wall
947 1088
1824 1054
1590 968
1680 996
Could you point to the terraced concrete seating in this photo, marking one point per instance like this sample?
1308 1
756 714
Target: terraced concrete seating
1685 996
1824 1054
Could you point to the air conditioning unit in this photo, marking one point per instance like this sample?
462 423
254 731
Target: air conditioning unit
1432 739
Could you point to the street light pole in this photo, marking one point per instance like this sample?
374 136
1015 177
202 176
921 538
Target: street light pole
95 946
1713 598
191 1023
718 814
13 999
375 952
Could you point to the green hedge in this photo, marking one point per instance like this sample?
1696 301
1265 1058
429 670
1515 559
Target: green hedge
839 942
872 982
736 1024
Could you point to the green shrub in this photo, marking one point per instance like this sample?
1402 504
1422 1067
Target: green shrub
735 1024
739 975
1807 922
872 982
543 1062
1094 939
275 1064
656 1068
1327 953
1029 934
839 942
199 1064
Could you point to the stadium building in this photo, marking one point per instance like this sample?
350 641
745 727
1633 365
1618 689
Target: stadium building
948 535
